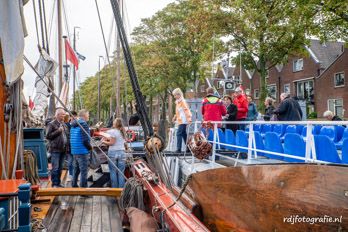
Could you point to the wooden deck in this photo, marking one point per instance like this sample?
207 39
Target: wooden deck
78 214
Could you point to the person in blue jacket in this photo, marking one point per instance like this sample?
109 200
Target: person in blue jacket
80 147
252 110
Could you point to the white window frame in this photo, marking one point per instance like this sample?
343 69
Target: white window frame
295 67
334 106
258 93
285 85
344 83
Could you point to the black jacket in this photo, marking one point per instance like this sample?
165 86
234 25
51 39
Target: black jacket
289 110
269 111
232 116
55 137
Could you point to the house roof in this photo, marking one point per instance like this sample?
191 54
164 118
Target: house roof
323 73
325 53
220 74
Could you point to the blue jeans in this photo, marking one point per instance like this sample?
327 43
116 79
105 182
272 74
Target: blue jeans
181 135
71 164
57 160
80 165
118 159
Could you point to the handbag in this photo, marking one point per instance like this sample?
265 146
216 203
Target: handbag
94 161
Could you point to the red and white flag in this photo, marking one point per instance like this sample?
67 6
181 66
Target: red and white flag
71 55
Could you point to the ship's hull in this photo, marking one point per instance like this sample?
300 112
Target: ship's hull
290 197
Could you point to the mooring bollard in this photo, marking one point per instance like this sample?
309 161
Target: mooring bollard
24 209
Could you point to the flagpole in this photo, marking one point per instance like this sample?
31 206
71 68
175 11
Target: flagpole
74 73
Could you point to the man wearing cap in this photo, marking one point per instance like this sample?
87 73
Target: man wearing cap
212 107
242 104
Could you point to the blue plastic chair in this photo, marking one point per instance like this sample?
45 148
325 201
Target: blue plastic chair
289 129
339 144
266 128
345 151
241 140
257 127
299 129
279 129
272 143
294 145
230 138
339 130
325 149
329 131
304 132
259 143
221 138
316 129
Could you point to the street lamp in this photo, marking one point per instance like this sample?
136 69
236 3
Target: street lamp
99 88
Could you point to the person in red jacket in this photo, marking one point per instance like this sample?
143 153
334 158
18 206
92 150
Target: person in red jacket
212 107
241 102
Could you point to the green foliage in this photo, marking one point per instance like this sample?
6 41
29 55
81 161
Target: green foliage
312 115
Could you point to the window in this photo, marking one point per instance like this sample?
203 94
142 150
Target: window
336 106
220 84
339 79
297 65
287 88
272 91
202 88
305 90
256 93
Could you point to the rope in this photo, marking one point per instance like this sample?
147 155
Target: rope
37 225
181 192
67 110
132 194
37 29
41 24
45 23
102 30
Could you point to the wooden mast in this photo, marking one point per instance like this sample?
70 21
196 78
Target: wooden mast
60 46
3 98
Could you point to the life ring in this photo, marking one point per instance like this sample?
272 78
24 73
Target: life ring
130 136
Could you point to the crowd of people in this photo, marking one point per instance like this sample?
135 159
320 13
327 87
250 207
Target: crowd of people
69 138
237 107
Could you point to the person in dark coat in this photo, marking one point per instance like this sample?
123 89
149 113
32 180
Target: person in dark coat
289 109
269 110
231 113
57 134
252 110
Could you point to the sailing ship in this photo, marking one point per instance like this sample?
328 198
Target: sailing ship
252 195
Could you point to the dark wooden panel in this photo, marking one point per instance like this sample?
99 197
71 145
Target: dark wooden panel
260 198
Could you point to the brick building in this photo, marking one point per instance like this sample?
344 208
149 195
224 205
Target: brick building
298 76
332 89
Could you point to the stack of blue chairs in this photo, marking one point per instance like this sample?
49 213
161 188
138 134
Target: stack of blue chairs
230 138
325 149
273 143
294 145
345 151
241 140
339 144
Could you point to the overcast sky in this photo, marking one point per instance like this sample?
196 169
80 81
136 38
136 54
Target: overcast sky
82 13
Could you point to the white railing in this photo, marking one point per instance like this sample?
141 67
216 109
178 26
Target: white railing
310 151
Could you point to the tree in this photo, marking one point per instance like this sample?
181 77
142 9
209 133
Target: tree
267 31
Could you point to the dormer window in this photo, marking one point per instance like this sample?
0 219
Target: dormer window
297 65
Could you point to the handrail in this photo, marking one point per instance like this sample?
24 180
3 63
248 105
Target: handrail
310 152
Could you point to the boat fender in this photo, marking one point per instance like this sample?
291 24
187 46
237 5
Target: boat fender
199 146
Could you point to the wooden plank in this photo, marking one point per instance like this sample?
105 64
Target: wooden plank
51 212
115 217
77 218
87 212
96 214
86 229
111 192
105 216
68 214
58 220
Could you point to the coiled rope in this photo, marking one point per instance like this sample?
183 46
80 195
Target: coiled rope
132 194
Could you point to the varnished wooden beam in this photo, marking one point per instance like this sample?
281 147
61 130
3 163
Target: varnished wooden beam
108 192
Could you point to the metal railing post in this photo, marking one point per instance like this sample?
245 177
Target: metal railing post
309 141
214 142
251 141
